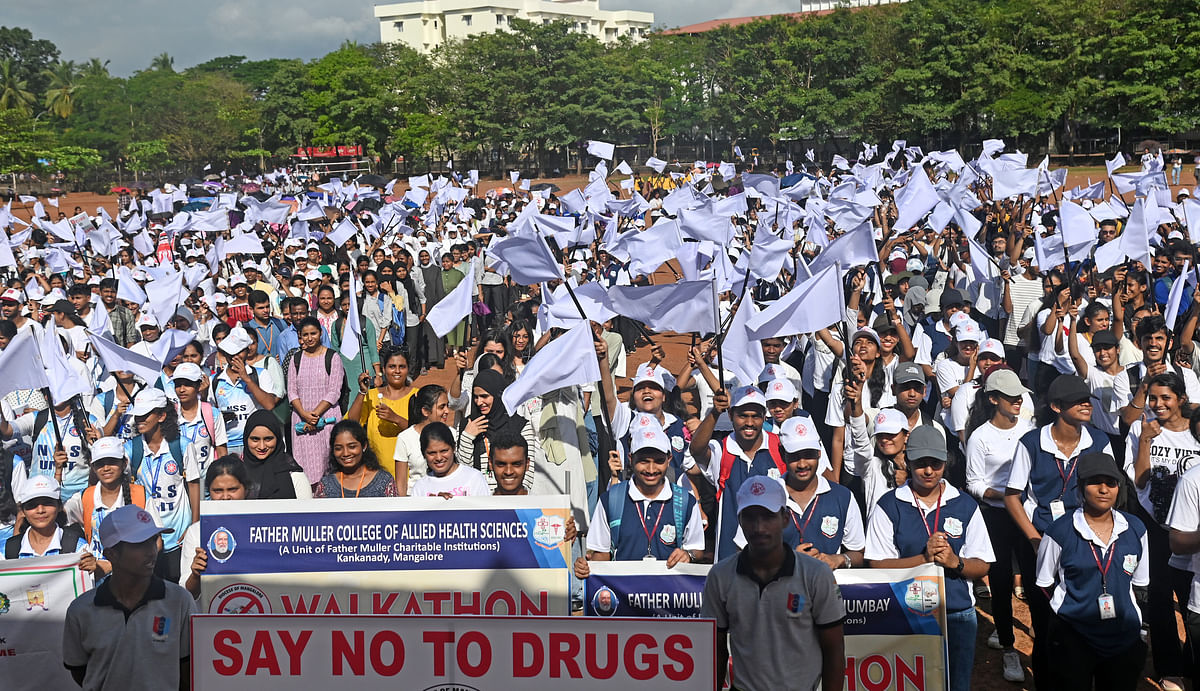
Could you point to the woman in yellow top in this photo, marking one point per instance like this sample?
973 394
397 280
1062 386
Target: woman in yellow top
384 411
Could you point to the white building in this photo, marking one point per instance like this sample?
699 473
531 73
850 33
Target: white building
426 24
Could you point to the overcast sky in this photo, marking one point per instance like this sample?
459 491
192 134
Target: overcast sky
131 32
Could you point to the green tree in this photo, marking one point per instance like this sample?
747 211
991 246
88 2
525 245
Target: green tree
60 97
147 155
14 91
163 62
30 57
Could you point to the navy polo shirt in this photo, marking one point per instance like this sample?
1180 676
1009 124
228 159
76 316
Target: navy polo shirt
1067 560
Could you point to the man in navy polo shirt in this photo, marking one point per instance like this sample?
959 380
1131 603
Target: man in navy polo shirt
747 452
646 517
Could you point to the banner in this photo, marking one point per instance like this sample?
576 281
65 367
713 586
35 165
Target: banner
643 589
466 555
34 596
895 618
274 652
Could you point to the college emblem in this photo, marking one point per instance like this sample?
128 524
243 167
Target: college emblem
668 534
773 473
921 596
829 526
757 488
677 443
548 531
35 597
952 526
171 468
4 603
159 628
1130 563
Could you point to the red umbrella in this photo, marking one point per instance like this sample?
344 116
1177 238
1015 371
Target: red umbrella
122 190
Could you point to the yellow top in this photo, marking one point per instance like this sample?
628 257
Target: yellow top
381 435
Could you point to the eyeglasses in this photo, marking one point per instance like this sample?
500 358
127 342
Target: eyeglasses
931 463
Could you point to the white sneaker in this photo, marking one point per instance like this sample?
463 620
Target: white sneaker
993 641
1012 667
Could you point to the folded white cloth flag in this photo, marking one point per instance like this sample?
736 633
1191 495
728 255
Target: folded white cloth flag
171 343
1109 255
343 232
855 248
657 164
768 254
1116 164
65 382
1176 295
246 243
569 360
165 296
21 364
681 307
1135 238
1010 183
352 336
128 288
623 168
116 358
810 306
650 248
602 150
740 349
453 308
1078 227
1049 251
914 200
528 259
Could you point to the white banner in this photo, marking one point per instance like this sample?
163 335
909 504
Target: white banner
274 652
34 596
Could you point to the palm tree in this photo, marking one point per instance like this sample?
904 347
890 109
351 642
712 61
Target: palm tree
94 68
60 95
14 92
163 62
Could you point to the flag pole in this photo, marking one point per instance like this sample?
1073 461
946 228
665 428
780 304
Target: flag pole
604 414
53 416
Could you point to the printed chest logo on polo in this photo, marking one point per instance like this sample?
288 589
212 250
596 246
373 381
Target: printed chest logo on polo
1129 564
829 526
952 526
667 535
160 628
795 603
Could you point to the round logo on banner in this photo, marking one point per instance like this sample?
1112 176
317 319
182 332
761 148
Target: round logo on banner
240 598
921 596
221 545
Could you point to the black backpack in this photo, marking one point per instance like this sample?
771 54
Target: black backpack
71 536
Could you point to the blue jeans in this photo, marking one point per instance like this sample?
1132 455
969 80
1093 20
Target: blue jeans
960 648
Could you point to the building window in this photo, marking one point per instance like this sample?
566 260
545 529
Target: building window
467 19
399 26
610 33
499 20
435 23
545 21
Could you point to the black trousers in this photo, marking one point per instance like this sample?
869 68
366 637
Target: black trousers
496 298
1166 583
1079 667
1005 538
1039 615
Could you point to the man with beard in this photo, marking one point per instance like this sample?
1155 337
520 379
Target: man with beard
1154 339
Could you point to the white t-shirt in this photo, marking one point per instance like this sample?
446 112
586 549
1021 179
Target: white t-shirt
461 481
1171 455
1110 393
989 458
1185 517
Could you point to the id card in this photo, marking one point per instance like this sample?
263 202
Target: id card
1057 509
649 557
1108 608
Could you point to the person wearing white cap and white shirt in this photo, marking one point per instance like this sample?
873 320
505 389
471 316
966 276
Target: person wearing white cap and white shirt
38 500
645 517
958 364
871 382
133 631
651 385
242 388
783 402
745 453
168 469
200 423
12 304
879 458
775 608
826 522
990 355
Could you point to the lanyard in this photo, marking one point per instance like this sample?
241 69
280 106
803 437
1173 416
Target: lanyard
1103 569
1066 477
812 510
157 469
642 516
937 516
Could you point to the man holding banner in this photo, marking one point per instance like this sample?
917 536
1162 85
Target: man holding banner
777 607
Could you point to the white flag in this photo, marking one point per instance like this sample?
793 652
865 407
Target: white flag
657 164
352 337
21 364
810 306
1176 295
600 149
64 381
569 360
343 232
453 308
116 358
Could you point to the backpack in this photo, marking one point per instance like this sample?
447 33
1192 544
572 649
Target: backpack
137 497
329 353
71 536
138 452
728 459
616 495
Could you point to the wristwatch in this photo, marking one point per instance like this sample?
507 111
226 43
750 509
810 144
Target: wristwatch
848 564
957 571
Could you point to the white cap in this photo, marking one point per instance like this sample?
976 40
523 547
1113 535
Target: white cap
799 434
108 447
655 374
890 421
237 341
781 390
915 265
968 331
249 264
959 318
749 395
236 279
992 346
220 297
865 332
147 401
188 371
12 294
763 491
38 487
648 434
312 275
146 319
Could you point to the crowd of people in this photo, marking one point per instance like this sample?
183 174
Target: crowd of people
1012 410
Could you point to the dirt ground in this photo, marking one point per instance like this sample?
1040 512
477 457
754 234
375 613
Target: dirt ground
988 676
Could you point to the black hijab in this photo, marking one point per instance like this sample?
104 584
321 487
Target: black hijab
499 421
271 475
